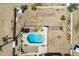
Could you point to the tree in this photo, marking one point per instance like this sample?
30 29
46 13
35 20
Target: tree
72 7
24 7
62 18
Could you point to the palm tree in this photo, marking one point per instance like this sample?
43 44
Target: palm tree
5 39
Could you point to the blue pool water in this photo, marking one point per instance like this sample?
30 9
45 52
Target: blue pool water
35 38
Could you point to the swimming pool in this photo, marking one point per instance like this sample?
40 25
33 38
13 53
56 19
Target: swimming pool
35 38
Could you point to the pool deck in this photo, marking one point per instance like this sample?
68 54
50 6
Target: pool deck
44 32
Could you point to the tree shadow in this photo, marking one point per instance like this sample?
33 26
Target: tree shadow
5 44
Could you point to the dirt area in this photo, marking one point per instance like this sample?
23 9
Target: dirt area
6 15
58 42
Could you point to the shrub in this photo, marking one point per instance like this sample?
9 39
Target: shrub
61 27
68 36
62 18
34 8
35 5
